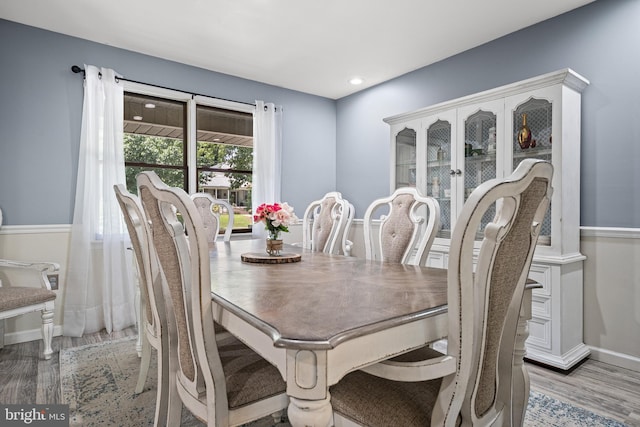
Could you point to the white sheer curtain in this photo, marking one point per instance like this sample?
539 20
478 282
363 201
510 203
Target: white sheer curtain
267 134
99 288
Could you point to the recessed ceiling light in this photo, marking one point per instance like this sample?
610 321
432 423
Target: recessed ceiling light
216 139
149 105
137 118
356 81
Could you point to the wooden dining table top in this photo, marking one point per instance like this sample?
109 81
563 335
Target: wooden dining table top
324 299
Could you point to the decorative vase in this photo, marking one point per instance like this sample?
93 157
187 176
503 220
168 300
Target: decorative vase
524 134
274 247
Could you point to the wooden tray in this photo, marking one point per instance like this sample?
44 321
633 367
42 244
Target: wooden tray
264 258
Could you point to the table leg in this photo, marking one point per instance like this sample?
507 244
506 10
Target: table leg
310 413
310 402
520 380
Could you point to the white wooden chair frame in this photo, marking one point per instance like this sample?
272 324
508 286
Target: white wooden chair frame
340 224
207 202
153 325
425 226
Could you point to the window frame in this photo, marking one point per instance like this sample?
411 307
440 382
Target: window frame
191 130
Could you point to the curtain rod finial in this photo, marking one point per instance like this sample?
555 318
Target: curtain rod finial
76 69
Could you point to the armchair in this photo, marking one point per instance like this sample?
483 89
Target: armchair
19 300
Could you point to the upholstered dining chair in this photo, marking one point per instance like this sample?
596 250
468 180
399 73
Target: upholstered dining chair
221 384
407 230
483 309
154 325
210 210
326 224
31 293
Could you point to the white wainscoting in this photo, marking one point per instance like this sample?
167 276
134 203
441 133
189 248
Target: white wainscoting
612 294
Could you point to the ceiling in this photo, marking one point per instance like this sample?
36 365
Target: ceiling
309 46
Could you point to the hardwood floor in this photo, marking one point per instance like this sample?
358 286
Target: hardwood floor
601 388
604 389
25 377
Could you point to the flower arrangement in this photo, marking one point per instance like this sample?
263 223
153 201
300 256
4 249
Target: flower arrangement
276 217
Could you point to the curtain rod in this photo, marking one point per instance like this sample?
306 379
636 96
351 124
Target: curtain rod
77 70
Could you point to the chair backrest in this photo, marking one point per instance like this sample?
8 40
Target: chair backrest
326 223
406 231
148 269
484 305
210 210
185 263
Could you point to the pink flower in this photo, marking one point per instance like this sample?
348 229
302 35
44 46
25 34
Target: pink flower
276 217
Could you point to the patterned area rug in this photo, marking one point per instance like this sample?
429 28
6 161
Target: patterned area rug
98 380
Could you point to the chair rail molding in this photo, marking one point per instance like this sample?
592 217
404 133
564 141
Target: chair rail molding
35 229
613 232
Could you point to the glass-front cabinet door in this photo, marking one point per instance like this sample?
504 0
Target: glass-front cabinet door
478 153
438 167
479 163
405 153
532 124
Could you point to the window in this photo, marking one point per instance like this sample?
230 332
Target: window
154 139
196 143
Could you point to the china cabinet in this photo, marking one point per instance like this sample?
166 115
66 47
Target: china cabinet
448 149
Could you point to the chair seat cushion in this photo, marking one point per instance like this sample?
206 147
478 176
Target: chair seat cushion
373 401
249 376
19 296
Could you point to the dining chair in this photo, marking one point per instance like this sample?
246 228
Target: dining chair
326 224
222 382
31 292
405 234
210 210
154 328
406 230
483 310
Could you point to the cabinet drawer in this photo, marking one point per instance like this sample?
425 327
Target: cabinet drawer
541 306
541 274
539 333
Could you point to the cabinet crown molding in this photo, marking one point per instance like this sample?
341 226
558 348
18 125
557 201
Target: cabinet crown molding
566 76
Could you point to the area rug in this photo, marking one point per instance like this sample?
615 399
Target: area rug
98 382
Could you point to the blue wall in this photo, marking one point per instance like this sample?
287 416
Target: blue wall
41 109
328 144
599 41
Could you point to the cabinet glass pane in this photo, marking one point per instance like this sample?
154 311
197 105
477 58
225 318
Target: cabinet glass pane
438 167
406 158
536 115
479 155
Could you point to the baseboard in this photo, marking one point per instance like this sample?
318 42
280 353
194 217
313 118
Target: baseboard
29 335
617 359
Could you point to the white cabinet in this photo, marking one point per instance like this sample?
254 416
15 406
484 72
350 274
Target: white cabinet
448 149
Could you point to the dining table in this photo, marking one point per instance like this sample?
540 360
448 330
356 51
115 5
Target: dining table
326 315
